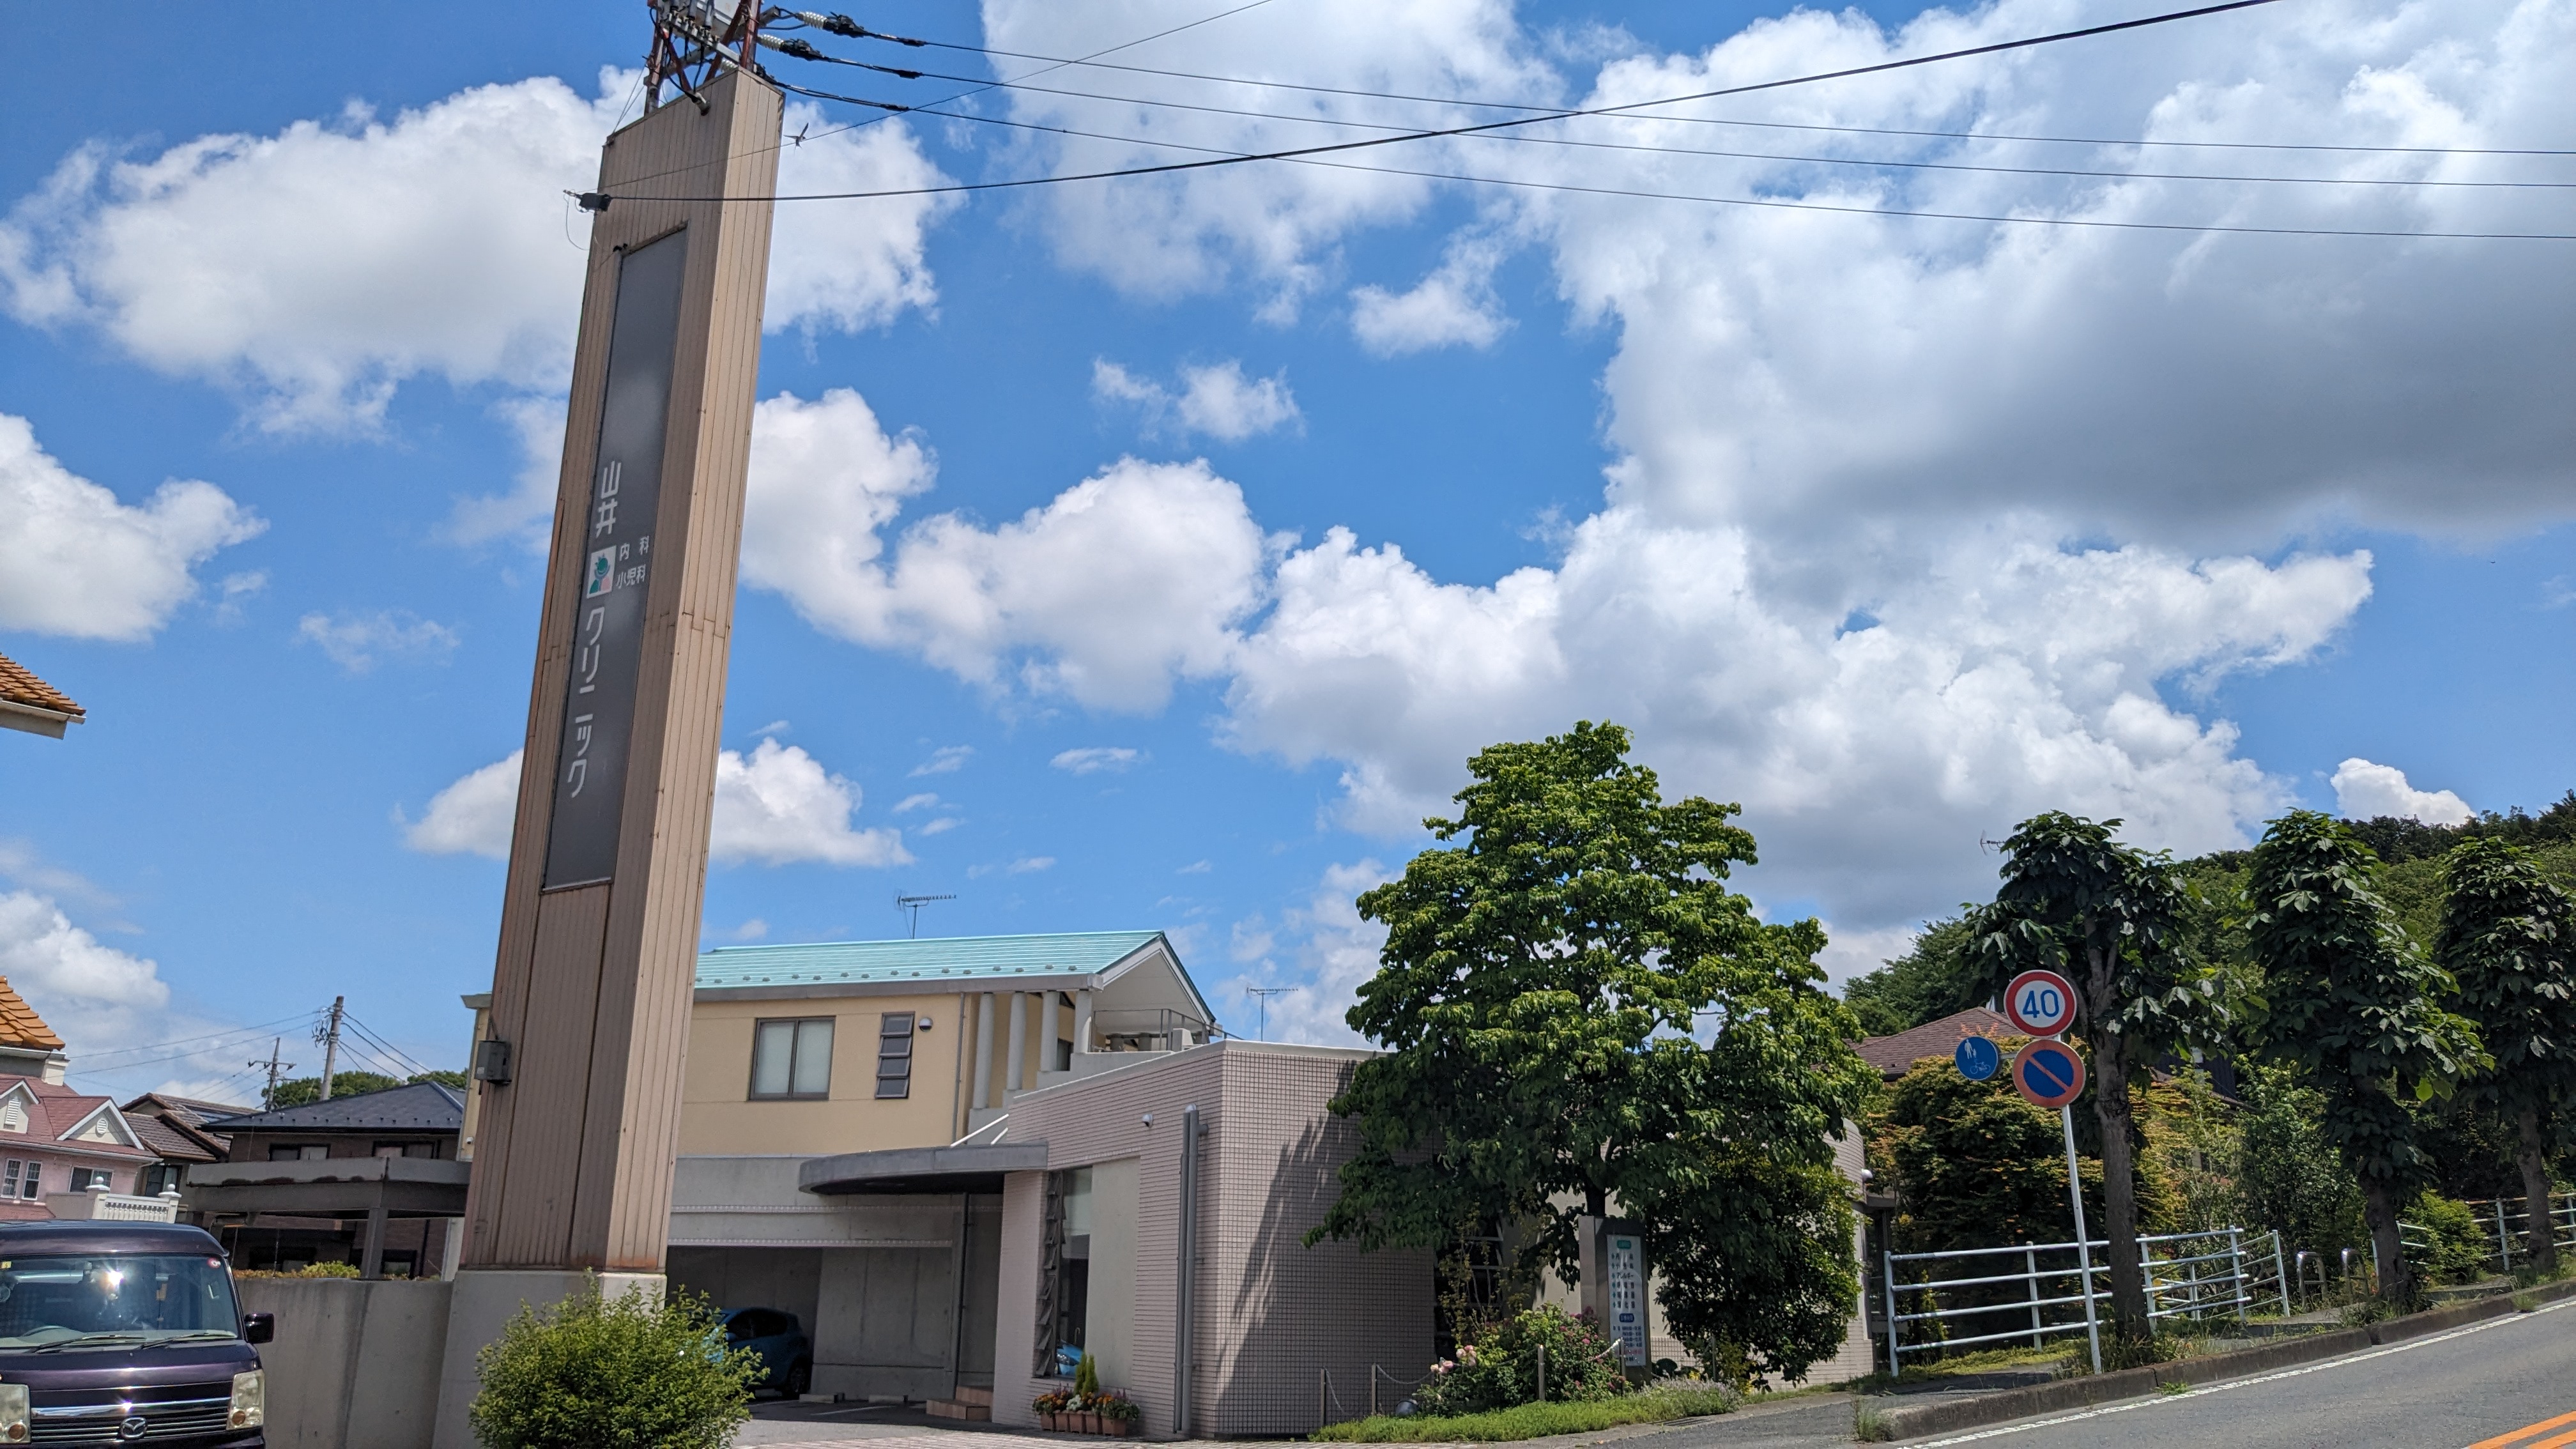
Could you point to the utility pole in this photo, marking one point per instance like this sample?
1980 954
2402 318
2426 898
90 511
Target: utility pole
1263 994
268 1097
914 905
329 1037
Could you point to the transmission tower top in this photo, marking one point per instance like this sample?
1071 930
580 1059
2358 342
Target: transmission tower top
694 41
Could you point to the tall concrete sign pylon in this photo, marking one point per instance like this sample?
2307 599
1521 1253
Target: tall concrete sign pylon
578 1120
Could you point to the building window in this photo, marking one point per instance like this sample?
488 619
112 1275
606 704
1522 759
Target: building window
86 1178
894 1055
33 1187
406 1149
9 1184
1064 1275
295 1152
791 1059
158 1178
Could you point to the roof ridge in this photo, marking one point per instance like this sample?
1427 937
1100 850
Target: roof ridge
20 1026
935 940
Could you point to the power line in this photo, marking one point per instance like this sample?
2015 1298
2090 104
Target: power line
215 1036
808 53
962 95
2084 32
1306 158
370 1035
1469 101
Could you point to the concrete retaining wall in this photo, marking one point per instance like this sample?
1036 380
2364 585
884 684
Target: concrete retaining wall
355 1363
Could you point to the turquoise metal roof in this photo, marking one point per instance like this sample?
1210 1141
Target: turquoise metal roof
953 958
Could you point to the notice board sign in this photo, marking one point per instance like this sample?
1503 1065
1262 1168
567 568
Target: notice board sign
617 554
1624 1274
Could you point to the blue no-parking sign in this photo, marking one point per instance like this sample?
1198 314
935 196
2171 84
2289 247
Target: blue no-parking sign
2048 1073
1977 1057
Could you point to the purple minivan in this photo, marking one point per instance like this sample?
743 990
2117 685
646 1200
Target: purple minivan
125 1333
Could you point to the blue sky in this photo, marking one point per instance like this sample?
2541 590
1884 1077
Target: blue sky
1895 531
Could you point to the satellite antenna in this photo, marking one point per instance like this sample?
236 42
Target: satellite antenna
1263 995
914 905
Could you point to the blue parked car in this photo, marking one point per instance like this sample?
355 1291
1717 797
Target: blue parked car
785 1354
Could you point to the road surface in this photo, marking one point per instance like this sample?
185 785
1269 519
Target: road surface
2507 1383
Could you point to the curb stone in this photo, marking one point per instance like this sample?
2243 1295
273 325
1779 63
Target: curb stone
2090 1392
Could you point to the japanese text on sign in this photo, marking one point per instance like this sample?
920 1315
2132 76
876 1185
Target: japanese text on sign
616 557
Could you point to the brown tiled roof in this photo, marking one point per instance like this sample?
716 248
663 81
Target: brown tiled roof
171 1142
1896 1055
19 685
20 1026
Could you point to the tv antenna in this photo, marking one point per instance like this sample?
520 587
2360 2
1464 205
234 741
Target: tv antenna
914 905
1263 994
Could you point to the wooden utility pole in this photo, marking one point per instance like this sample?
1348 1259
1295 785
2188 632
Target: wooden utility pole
330 1035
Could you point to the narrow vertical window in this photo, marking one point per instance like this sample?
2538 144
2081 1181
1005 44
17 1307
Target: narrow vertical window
35 1177
792 1058
894 1055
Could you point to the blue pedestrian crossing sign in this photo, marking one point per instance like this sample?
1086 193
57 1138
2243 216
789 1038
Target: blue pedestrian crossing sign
1977 1057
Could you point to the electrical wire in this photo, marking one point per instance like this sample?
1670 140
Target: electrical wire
808 53
2084 32
1700 120
1308 158
414 1067
962 95
238 1031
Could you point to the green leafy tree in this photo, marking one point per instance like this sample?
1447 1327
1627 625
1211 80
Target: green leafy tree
1575 1004
1925 984
2110 919
630 1372
2509 939
2356 1009
2289 1175
298 1091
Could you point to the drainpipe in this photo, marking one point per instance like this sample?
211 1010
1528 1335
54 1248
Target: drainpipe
1184 1309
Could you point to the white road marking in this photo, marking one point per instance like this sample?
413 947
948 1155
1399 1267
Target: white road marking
2222 1387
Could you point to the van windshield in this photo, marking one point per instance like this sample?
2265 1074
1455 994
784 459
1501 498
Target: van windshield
113 1301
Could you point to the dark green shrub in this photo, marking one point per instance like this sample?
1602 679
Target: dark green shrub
1502 1368
2458 1251
622 1373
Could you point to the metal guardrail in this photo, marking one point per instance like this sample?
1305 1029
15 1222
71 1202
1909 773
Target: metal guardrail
2189 1275
2507 1224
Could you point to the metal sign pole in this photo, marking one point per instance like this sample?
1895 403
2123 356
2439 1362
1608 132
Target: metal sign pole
2083 1239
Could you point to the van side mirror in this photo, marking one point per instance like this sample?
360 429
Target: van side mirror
258 1327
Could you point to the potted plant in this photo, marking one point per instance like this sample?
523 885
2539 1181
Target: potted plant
1116 1413
1051 1407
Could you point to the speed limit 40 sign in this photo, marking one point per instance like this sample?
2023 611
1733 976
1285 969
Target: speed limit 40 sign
2041 1003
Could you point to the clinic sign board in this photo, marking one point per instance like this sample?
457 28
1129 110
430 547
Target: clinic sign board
616 556
1624 1265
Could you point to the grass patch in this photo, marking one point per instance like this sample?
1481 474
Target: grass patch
1533 1421
1869 1426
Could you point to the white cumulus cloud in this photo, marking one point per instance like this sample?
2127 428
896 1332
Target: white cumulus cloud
1094 759
1322 948
1453 307
1104 594
2366 791
1216 400
76 561
95 997
472 816
317 269
358 642
776 806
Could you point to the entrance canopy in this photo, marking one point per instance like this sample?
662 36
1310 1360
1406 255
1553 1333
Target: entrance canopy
921 1169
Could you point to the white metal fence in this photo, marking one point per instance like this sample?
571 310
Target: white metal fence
2506 1223
2189 1275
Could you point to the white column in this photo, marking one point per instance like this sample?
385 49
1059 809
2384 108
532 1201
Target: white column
983 1051
1018 1062
1081 1022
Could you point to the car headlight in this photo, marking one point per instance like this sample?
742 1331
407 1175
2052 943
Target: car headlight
250 1396
13 1413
